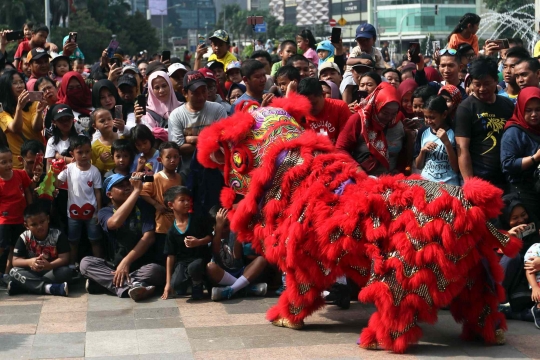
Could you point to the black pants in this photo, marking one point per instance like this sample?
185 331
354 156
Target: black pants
9 233
515 283
193 271
34 281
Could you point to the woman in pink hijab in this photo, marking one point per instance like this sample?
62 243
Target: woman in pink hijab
161 101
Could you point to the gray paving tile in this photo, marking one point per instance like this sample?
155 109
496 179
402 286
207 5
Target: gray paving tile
15 346
254 342
156 313
107 325
108 302
234 331
20 309
119 314
230 343
19 319
171 356
121 357
163 323
111 343
154 302
162 341
63 345
246 308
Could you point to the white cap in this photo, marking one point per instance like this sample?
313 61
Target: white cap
174 67
130 67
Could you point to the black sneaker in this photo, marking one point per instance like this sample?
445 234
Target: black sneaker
197 292
339 295
139 293
59 289
13 288
93 287
536 315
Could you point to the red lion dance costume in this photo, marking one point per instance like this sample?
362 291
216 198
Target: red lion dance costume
413 245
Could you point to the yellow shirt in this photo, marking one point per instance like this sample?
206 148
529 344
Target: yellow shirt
97 149
536 51
224 60
15 141
155 190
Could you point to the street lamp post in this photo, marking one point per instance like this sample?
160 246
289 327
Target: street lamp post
401 25
163 14
206 29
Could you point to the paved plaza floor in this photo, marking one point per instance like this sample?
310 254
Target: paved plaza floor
106 327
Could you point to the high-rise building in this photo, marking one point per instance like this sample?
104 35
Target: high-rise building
300 12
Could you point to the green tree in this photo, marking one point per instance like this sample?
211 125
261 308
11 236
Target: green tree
501 6
287 32
92 37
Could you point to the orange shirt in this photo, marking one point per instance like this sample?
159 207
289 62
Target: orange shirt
155 190
457 39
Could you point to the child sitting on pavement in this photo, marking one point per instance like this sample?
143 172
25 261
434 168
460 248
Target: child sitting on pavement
186 245
41 257
227 268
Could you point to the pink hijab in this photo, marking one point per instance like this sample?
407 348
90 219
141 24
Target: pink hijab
164 109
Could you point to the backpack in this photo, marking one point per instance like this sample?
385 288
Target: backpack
161 121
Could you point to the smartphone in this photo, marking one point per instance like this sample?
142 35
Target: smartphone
15 35
165 56
202 41
113 45
502 43
72 37
531 228
361 95
38 161
436 45
141 100
35 95
115 60
336 35
414 50
117 115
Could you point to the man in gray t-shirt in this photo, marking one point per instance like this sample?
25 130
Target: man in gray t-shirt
187 121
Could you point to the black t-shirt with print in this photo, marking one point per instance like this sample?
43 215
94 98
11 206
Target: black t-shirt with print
199 228
483 123
28 247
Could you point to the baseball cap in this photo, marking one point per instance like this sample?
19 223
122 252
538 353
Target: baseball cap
175 67
234 65
212 64
130 68
61 110
155 66
114 179
193 80
36 53
221 35
328 65
369 64
208 74
365 31
60 57
127 79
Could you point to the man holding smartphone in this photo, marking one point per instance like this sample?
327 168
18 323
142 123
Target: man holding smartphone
39 61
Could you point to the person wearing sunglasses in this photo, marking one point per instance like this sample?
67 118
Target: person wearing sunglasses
450 66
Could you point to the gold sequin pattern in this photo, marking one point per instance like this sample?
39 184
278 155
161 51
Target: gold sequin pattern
421 218
408 270
423 292
398 293
502 238
335 235
483 315
433 190
303 288
343 253
442 282
376 221
361 270
396 334
295 310
357 234
324 270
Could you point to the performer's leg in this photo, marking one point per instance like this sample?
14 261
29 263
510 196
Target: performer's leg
476 307
302 295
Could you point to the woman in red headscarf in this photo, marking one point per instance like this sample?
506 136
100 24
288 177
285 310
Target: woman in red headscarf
520 149
374 135
405 93
75 93
453 98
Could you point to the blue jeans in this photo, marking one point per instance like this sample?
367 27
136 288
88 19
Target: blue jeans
75 229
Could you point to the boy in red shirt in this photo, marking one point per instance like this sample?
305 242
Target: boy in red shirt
38 39
15 194
327 116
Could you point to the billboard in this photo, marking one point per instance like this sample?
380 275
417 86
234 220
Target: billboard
157 7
